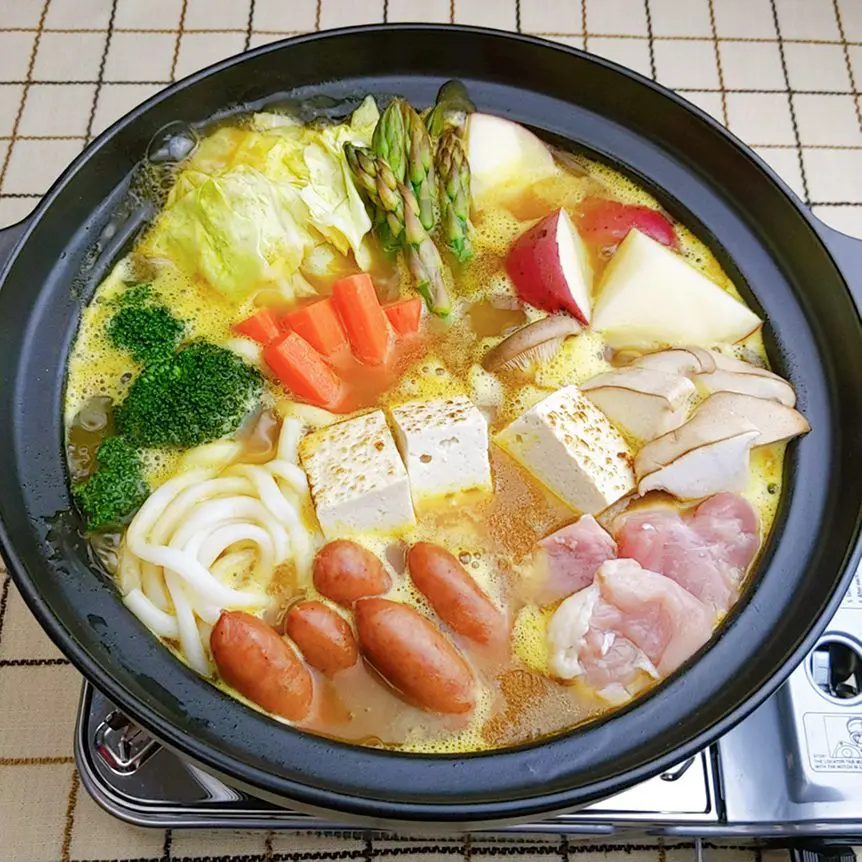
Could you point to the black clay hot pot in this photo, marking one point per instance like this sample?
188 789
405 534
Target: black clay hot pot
805 279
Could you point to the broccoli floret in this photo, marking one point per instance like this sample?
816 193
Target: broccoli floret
199 394
142 325
146 331
136 293
116 489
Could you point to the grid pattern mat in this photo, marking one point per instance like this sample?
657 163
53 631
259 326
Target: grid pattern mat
783 75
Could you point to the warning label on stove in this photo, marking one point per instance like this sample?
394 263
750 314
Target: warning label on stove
853 599
834 741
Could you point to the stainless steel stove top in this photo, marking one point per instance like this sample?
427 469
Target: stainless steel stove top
791 769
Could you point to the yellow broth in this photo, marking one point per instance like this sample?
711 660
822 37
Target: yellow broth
493 534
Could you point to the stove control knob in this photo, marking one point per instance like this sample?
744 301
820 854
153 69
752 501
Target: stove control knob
835 667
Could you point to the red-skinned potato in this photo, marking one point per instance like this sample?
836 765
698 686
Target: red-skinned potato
607 223
252 658
550 267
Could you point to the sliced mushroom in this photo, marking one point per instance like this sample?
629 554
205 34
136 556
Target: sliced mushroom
644 402
700 471
720 416
680 360
731 363
774 421
569 162
762 385
623 357
532 343
700 430
720 373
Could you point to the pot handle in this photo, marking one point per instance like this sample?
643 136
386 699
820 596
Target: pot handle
847 253
9 237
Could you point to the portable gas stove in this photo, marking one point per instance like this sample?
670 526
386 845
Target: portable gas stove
791 770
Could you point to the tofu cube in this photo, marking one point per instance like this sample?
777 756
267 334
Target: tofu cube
572 448
444 443
357 478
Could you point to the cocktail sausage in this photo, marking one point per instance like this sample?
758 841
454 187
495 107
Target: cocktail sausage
409 651
344 571
252 658
454 595
323 637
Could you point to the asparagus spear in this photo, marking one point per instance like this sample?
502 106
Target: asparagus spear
420 166
396 208
390 138
402 141
453 171
446 122
365 166
423 258
451 109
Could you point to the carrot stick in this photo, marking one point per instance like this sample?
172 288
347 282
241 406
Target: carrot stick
262 327
319 325
404 315
363 318
302 370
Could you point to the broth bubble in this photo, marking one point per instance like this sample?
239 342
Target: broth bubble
173 143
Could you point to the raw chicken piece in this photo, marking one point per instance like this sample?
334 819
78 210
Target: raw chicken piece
567 560
629 626
731 521
706 551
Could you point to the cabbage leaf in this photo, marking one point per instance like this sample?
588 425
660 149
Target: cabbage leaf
334 205
237 230
251 203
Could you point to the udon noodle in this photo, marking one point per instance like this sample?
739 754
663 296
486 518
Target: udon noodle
211 539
